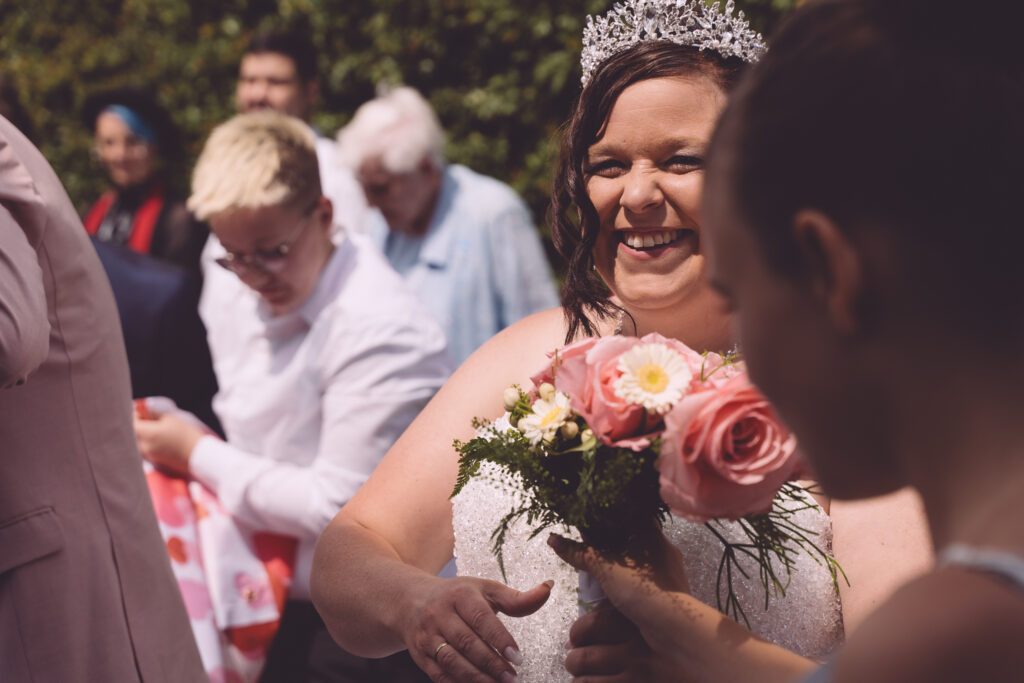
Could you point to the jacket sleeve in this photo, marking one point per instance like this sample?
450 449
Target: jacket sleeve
24 322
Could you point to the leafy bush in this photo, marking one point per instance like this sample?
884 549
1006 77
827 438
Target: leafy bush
501 73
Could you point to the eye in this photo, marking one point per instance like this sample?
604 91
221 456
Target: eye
606 168
276 254
682 163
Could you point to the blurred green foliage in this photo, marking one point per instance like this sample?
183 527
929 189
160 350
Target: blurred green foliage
501 73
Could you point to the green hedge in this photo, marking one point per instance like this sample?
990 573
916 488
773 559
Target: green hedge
501 73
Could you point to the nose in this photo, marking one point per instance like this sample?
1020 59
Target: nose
254 93
642 191
118 153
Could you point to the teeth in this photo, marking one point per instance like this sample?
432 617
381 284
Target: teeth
650 239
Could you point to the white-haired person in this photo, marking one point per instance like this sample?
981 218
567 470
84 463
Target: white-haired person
323 358
465 243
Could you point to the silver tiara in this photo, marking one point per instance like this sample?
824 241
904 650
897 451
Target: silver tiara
683 22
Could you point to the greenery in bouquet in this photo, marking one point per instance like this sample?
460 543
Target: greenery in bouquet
568 477
617 431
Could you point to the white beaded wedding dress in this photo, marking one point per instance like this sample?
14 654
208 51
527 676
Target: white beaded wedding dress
806 620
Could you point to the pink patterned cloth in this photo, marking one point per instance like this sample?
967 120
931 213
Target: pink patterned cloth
233 579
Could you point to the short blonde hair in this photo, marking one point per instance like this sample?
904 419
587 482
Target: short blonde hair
400 128
254 160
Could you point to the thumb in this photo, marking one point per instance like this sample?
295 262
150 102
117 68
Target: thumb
520 603
618 581
576 555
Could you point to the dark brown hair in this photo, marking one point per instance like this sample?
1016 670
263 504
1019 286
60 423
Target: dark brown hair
900 119
296 44
575 224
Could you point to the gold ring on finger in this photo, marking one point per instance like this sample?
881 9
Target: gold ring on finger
443 645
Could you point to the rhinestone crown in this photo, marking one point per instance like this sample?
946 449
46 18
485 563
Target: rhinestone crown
683 22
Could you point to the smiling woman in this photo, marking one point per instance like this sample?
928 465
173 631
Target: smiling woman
644 179
627 216
134 140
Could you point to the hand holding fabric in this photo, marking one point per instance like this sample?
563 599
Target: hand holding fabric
166 436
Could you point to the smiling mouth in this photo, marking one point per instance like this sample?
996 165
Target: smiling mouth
650 240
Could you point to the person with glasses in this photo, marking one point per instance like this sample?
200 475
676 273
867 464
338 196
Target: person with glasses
322 356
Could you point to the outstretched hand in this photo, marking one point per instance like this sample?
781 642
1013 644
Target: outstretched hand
453 633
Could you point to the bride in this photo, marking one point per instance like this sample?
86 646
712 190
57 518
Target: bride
632 173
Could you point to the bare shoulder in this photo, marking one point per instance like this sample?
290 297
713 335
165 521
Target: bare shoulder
949 625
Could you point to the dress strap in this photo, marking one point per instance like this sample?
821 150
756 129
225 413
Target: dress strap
1002 563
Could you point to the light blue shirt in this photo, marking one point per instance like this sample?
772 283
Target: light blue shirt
480 266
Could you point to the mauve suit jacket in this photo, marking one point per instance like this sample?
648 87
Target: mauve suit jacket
86 590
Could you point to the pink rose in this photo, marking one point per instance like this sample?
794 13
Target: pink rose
587 371
724 453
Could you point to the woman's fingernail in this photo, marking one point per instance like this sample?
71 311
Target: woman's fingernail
513 655
506 677
550 583
567 645
552 540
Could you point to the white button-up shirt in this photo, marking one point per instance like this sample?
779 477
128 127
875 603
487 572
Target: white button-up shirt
311 400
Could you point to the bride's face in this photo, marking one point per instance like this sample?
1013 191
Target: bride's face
645 176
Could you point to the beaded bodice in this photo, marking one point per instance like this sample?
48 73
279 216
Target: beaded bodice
807 619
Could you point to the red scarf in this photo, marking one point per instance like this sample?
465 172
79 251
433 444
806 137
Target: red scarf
143 222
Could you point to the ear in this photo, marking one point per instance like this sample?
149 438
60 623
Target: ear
325 214
428 166
833 267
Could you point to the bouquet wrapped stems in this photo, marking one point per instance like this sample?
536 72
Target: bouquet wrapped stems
590 592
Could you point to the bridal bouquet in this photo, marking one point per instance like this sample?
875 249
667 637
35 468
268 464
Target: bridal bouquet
616 431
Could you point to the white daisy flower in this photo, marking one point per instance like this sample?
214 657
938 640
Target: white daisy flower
653 376
547 418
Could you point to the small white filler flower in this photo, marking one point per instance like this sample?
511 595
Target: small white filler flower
653 376
547 418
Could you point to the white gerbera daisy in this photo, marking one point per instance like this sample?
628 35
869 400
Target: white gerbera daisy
653 376
547 418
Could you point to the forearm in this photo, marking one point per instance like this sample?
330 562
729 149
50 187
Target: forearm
270 494
363 589
711 647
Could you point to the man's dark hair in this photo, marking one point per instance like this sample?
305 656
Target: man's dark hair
294 44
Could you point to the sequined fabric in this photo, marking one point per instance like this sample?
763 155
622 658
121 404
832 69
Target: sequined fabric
807 619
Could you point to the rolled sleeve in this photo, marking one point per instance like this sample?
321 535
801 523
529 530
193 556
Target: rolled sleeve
382 377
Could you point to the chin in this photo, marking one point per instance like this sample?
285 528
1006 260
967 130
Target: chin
850 473
651 293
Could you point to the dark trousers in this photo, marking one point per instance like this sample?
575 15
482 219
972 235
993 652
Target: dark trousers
304 652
